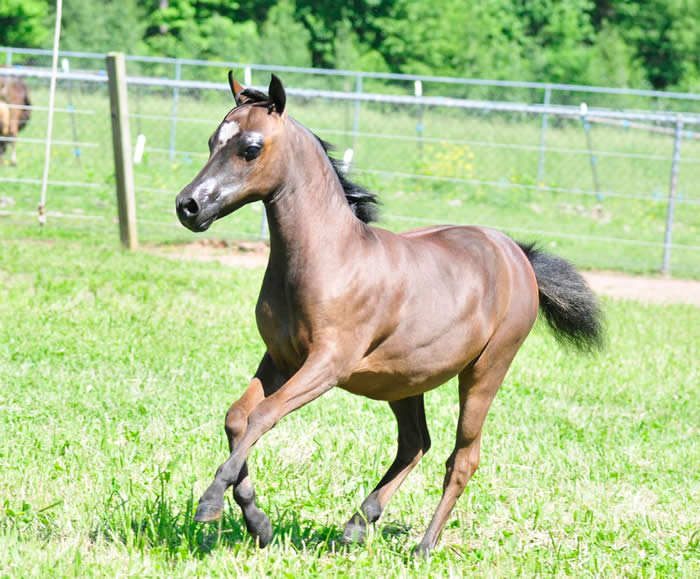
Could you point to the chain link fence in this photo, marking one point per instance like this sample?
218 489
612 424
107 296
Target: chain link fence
593 182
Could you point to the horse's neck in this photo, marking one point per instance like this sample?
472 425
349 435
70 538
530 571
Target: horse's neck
309 216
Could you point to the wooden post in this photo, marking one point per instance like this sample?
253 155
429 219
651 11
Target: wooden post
121 141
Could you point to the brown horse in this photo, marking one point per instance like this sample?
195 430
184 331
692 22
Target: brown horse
378 314
15 112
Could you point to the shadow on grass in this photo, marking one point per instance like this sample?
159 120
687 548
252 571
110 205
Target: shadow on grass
165 526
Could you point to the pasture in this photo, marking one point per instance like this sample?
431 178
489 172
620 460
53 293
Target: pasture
116 370
489 177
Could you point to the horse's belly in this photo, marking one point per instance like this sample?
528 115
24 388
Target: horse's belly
393 374
383 386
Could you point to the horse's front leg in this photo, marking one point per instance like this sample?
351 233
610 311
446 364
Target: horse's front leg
314 378
266 381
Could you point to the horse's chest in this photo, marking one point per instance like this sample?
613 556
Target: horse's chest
283 331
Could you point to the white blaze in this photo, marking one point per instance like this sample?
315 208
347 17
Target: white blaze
227 131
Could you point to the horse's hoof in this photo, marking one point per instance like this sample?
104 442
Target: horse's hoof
421 551
207 512
262 532
354 534
258 525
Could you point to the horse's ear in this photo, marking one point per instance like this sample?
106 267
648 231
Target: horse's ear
276 94
236 89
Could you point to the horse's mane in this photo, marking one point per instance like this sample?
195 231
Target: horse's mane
362 202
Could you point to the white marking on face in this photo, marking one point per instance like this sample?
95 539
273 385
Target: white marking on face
223 191
227 131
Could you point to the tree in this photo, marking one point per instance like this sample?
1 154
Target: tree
454 38
102 26
21 22
284 40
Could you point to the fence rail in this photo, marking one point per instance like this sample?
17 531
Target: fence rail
98 57
519 166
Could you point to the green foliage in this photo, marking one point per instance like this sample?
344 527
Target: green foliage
665 35
283 38
451 37
637 43
21 22
102 26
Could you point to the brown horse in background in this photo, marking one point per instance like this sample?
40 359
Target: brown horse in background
15 113
383 315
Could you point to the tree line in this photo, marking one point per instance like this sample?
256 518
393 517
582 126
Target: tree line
623 43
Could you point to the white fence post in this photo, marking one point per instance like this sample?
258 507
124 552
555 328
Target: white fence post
666 266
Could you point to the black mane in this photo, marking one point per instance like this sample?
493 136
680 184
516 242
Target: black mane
362 202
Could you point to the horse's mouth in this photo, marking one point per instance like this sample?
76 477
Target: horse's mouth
196 225
205 224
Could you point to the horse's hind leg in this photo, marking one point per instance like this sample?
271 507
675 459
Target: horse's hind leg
478 385
413 443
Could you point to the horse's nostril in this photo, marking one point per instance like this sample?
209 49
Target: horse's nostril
191 207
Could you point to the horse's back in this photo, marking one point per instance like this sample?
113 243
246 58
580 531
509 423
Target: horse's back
483 248
485 258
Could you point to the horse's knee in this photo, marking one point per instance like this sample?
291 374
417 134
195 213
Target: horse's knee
235 424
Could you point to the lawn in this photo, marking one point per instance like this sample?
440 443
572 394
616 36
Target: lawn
116 370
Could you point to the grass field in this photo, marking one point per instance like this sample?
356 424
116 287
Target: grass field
116 370
500 188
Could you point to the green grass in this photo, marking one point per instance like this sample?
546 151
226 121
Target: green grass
116 370
578 226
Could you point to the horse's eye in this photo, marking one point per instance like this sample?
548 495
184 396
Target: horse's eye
251 152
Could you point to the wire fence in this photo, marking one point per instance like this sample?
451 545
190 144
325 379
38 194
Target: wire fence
592 181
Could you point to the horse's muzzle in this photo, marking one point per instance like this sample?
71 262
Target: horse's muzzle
190 215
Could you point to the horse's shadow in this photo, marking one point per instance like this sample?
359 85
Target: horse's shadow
165 525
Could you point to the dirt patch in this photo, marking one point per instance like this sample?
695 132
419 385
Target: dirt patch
234 253
646 289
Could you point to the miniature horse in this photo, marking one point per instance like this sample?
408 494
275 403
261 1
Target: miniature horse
15 112
378 314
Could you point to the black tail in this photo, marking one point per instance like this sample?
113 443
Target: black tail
567 303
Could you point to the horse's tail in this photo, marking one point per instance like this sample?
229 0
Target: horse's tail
567 303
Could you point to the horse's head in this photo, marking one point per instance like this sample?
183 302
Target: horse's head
246 158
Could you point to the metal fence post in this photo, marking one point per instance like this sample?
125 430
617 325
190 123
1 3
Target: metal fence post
356 119
543 138
8 58
666 266
121 141
589 144
176 97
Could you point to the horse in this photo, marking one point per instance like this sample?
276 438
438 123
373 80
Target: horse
15 112
382 315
